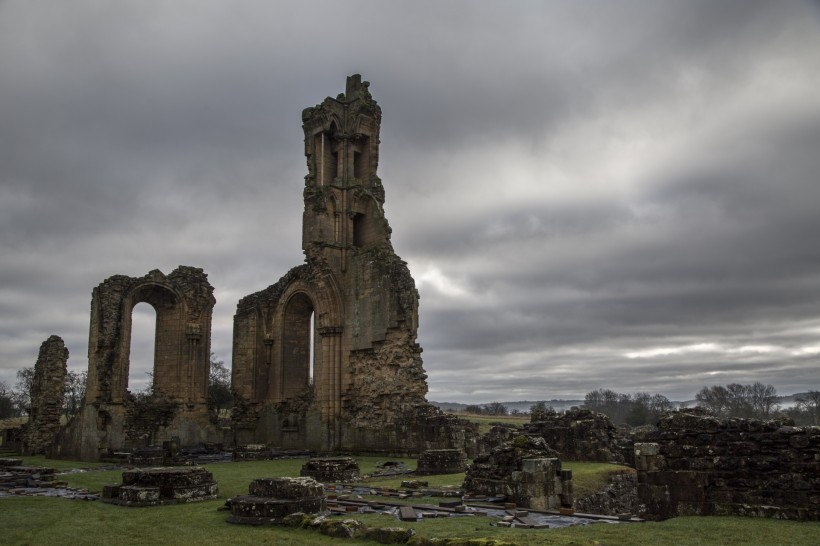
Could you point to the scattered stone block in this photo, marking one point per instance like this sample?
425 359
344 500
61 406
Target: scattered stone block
407 513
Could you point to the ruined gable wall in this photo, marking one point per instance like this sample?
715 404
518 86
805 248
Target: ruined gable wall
47 395
700 465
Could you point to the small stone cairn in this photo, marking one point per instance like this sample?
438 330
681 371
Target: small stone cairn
332 469
441 461
271 500
156 486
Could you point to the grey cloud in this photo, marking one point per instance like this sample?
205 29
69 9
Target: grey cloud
145 135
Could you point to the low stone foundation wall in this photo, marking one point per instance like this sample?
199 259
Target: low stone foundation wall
700 465
270 500
524 471
332 469
578 435
155 486
441 461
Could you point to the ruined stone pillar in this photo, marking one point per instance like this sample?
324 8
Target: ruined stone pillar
47 395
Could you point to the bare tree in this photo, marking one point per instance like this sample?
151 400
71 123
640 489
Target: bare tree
74 392
220 397
756 401
21 394
809 403
7 406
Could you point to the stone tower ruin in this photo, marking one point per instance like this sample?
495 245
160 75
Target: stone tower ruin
326 358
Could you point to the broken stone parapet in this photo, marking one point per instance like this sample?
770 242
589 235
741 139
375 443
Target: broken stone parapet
700 465
441 461
155 486
332 469
270 500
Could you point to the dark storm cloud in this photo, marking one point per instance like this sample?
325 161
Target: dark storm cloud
587 194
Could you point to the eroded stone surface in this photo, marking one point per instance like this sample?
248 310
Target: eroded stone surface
524 470
270 500
441 461
154 486
700 465
332 469
112 419
47 395
578 435
368 386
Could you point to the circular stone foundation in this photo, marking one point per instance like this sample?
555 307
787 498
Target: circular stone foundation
270 500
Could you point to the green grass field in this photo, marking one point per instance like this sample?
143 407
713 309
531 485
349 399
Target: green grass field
37 521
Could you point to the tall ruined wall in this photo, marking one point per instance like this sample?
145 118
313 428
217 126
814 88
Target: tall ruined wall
183 301
47 396
700 465
367 374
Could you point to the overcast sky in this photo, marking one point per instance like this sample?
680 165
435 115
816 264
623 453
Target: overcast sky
589 194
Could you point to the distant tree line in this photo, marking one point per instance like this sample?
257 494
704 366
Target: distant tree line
631 409
755 401
16 401
493 408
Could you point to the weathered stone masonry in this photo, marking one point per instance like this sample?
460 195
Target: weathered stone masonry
47 396
367 389
184 302
699 465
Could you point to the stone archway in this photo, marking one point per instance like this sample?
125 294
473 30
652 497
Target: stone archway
184 303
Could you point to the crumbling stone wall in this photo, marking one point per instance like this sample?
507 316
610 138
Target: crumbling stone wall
578 435
47 395
367 389
184 302
525 471
701 465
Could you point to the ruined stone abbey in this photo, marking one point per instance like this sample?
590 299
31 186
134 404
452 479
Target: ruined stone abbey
324 359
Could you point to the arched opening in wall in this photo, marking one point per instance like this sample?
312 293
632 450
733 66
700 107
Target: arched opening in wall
143 347
361 159
298 346
364 231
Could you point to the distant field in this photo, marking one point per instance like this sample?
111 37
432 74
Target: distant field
485 422
35 521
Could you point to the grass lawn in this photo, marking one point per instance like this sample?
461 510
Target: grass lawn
36 521
486 422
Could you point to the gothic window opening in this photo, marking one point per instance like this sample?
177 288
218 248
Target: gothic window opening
298 346
142 352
